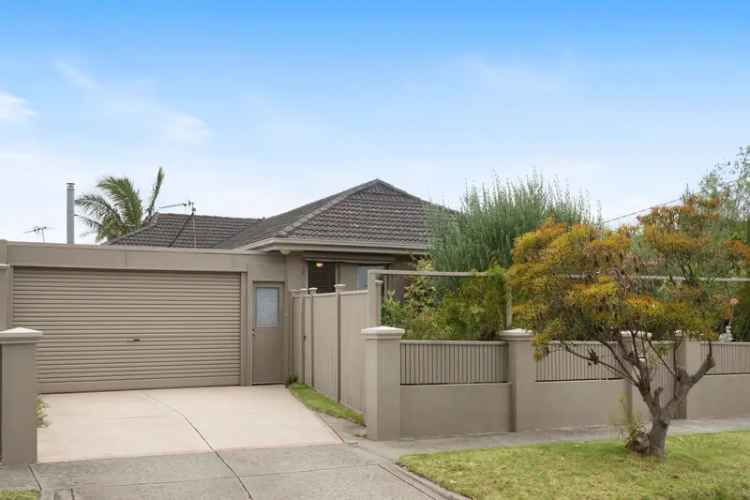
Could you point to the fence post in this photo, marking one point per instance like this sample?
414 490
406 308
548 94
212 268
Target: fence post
522 376
18 395
374 298
312 292
339 288
383 382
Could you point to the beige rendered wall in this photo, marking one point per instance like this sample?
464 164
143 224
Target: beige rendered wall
296 279
720 396
445 410
353 321
575 403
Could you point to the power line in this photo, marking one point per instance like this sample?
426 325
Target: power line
642 210
722 184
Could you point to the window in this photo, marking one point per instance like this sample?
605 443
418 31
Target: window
266 307
362 275
321 275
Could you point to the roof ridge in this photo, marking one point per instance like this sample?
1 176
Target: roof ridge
337 198
213 216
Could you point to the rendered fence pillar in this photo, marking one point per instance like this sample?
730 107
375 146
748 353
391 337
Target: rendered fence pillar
18 395
522 376
339 288
4 286
383 382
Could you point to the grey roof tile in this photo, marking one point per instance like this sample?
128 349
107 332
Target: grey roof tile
178 231
374 212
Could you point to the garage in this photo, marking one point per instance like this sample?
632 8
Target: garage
128 329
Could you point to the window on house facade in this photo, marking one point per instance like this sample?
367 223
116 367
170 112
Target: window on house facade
362 275
321 275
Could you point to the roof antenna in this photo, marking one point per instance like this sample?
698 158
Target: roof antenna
39 230
191 205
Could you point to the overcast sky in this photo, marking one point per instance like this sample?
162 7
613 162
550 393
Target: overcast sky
253 109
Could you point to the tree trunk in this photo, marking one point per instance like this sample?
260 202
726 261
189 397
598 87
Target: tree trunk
657 437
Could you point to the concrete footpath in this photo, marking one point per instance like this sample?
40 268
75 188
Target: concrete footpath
393 450
309 472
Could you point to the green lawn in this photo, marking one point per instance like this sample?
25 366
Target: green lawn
19 495
698 466
318 402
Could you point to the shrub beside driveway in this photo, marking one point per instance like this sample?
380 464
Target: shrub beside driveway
320 403
699 466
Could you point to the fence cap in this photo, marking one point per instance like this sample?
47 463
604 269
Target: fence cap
20 336
517 334
383 332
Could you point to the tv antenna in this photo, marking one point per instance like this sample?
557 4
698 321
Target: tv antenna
188 205
39 230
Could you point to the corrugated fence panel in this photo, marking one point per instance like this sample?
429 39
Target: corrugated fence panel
107 329
446 362
560 365
731 357
663 377
353 320
325 331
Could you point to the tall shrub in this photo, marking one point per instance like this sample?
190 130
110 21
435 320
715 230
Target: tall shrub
588 280
730 182
481 233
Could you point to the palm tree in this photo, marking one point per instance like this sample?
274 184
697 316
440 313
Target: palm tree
118 209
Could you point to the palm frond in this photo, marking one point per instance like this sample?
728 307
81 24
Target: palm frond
155 192
126 198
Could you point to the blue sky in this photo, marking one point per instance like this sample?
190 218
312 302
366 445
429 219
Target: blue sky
254 108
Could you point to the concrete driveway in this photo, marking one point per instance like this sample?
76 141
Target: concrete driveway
92 425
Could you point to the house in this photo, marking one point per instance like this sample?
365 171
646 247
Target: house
332 240
191 301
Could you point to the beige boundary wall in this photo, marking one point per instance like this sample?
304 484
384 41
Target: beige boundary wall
328 345
531 398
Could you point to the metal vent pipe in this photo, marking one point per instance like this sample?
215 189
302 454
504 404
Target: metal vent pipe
70 213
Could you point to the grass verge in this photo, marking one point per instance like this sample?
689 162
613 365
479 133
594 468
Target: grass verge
698 466
318 402
19 495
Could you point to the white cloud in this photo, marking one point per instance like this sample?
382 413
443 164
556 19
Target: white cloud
184 128
14 108
76 76
136 108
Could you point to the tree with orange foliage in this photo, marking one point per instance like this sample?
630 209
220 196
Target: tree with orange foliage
584 282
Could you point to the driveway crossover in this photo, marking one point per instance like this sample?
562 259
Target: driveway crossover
94 425
311 472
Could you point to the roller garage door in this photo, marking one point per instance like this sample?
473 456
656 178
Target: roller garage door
107 329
